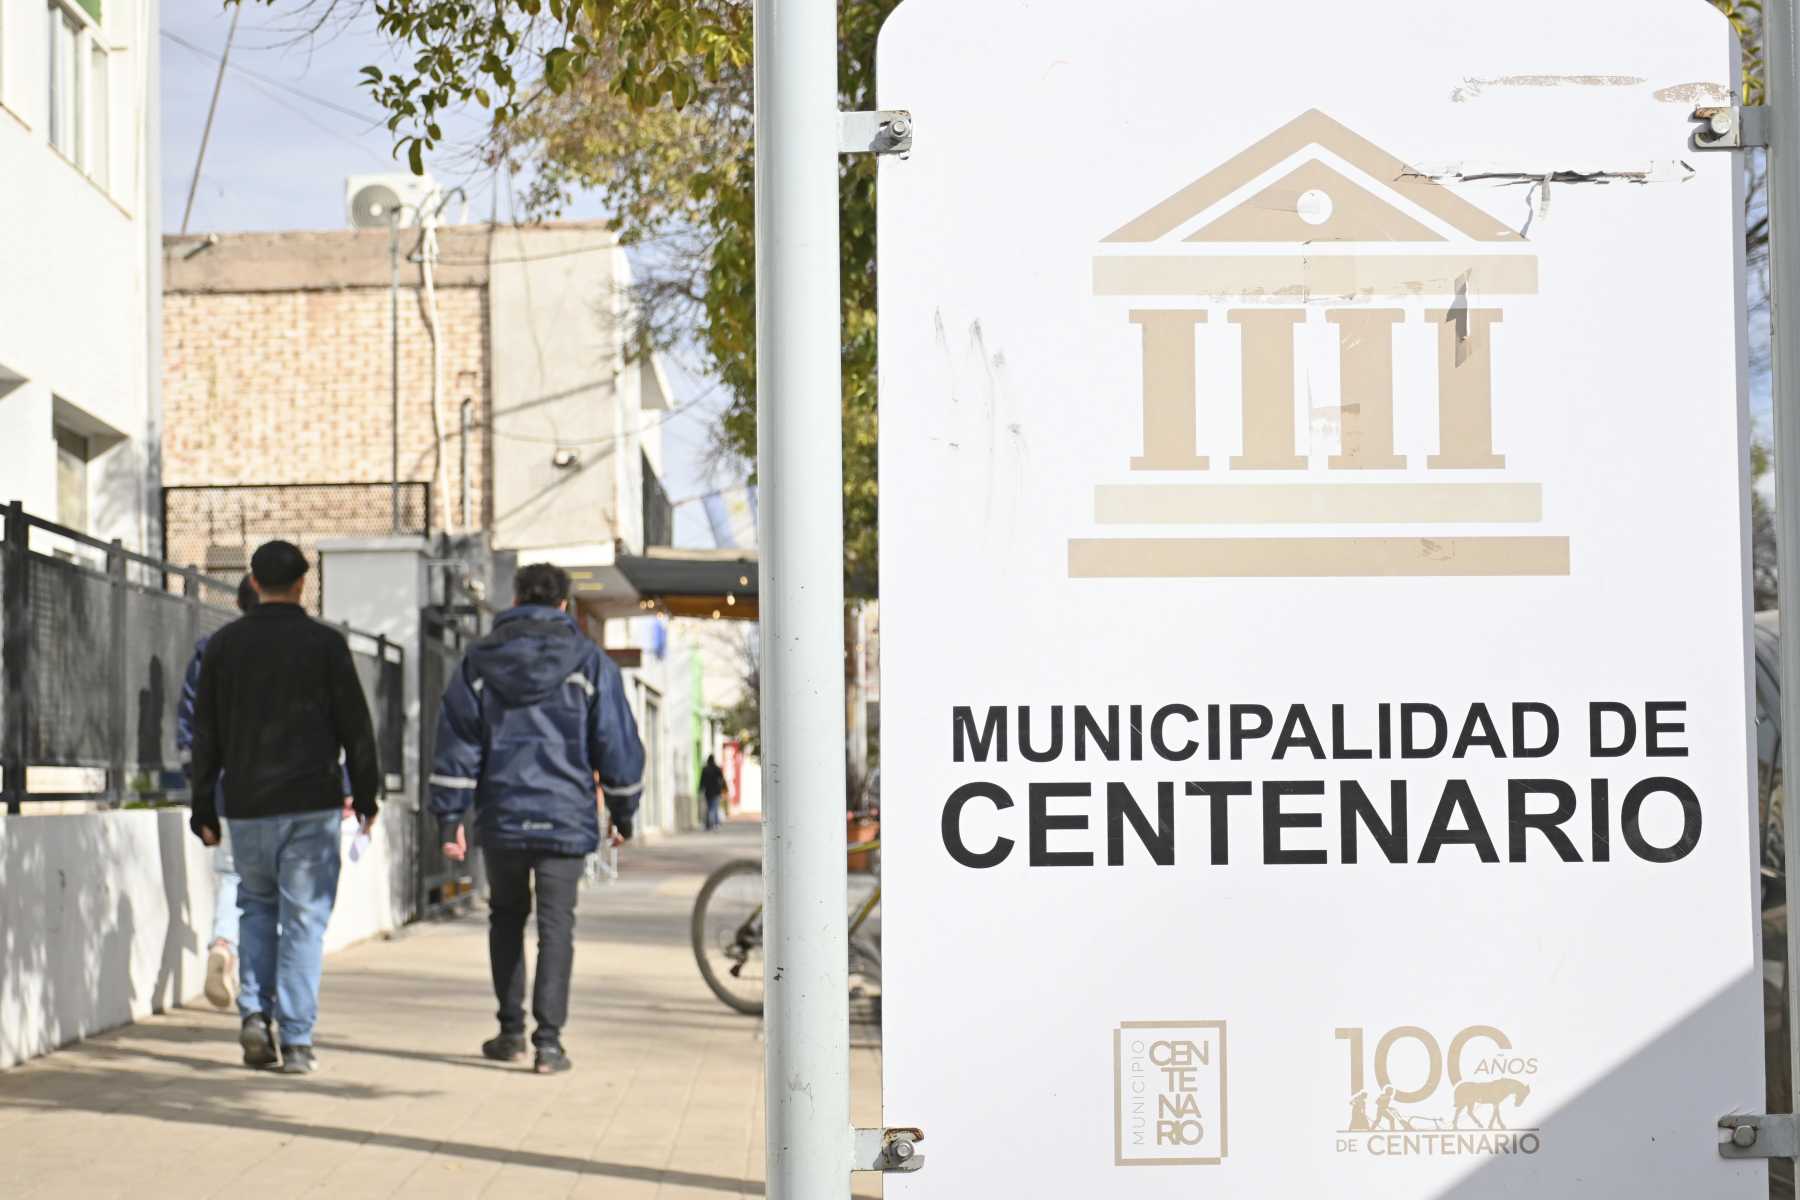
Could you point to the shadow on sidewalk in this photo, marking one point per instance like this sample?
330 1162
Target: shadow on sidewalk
195 1097
205 1098
203 1113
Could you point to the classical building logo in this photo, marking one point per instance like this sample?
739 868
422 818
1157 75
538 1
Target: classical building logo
1316 229
1410 1095
1169 1093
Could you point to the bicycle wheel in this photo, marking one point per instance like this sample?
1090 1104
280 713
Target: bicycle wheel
727 933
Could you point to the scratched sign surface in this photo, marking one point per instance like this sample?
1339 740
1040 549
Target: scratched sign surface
1316 716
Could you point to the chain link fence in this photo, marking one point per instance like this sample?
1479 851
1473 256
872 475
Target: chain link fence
95 641
216 527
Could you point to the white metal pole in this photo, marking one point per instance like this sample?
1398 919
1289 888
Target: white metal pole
1782 57
800 474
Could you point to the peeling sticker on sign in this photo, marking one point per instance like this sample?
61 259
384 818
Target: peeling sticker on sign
1472 88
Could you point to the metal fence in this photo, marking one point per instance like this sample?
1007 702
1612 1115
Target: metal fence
215 527
443 884
96 640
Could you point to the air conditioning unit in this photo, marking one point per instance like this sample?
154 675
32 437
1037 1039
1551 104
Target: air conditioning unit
372 201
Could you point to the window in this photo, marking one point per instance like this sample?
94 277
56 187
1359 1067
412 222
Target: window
80 92
72 454
65 83
82 442
659 514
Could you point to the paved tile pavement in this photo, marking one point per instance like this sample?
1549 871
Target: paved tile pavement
665 1101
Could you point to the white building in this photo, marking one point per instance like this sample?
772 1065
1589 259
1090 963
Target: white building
80 292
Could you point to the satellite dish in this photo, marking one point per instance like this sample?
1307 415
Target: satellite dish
375 206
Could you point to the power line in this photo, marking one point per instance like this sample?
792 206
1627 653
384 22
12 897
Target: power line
339 134
572 443
548 254
718 491
524 258
262 84
362 118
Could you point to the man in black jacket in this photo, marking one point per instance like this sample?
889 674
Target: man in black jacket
277 709
535 714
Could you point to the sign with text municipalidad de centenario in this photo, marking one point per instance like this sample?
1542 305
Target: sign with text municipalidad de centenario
1316 714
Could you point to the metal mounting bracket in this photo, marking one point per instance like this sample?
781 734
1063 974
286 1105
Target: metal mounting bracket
887 1149
889 131
1731 128
1760 1135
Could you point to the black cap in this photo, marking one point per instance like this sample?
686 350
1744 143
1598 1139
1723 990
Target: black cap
278 566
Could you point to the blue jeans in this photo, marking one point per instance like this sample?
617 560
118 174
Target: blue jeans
288 866
712 812
225 899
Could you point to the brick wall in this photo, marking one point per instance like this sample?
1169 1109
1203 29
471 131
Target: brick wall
293 387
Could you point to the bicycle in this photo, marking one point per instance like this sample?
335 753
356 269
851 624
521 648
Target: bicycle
727 930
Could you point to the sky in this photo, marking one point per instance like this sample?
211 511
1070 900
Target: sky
293 122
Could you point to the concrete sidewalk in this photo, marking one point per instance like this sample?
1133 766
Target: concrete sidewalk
665 1100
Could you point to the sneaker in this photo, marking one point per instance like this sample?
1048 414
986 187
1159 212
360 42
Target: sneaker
504 1048
551 1061
298 1060
221 975
258 1042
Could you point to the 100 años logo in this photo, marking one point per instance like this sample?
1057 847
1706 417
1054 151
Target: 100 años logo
1410 1095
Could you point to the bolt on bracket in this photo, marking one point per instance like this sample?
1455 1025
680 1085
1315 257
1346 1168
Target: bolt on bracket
1760 1135
1731 128
889 131
893 1150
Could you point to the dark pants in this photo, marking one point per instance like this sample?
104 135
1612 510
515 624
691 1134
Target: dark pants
510 875
712 812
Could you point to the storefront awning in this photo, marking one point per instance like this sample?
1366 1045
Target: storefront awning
695 583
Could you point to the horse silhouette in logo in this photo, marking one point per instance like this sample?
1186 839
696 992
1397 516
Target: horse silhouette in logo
1493 1092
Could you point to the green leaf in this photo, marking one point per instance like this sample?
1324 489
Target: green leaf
415 156
556 70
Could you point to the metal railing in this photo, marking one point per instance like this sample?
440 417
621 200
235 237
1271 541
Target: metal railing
95 640
443 885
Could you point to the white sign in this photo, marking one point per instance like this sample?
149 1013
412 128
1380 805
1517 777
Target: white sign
1313 518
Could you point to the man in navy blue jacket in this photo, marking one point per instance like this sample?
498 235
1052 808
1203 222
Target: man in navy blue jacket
533 715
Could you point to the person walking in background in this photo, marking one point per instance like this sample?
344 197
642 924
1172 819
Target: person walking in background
221 955
534 713
712 787
278 716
